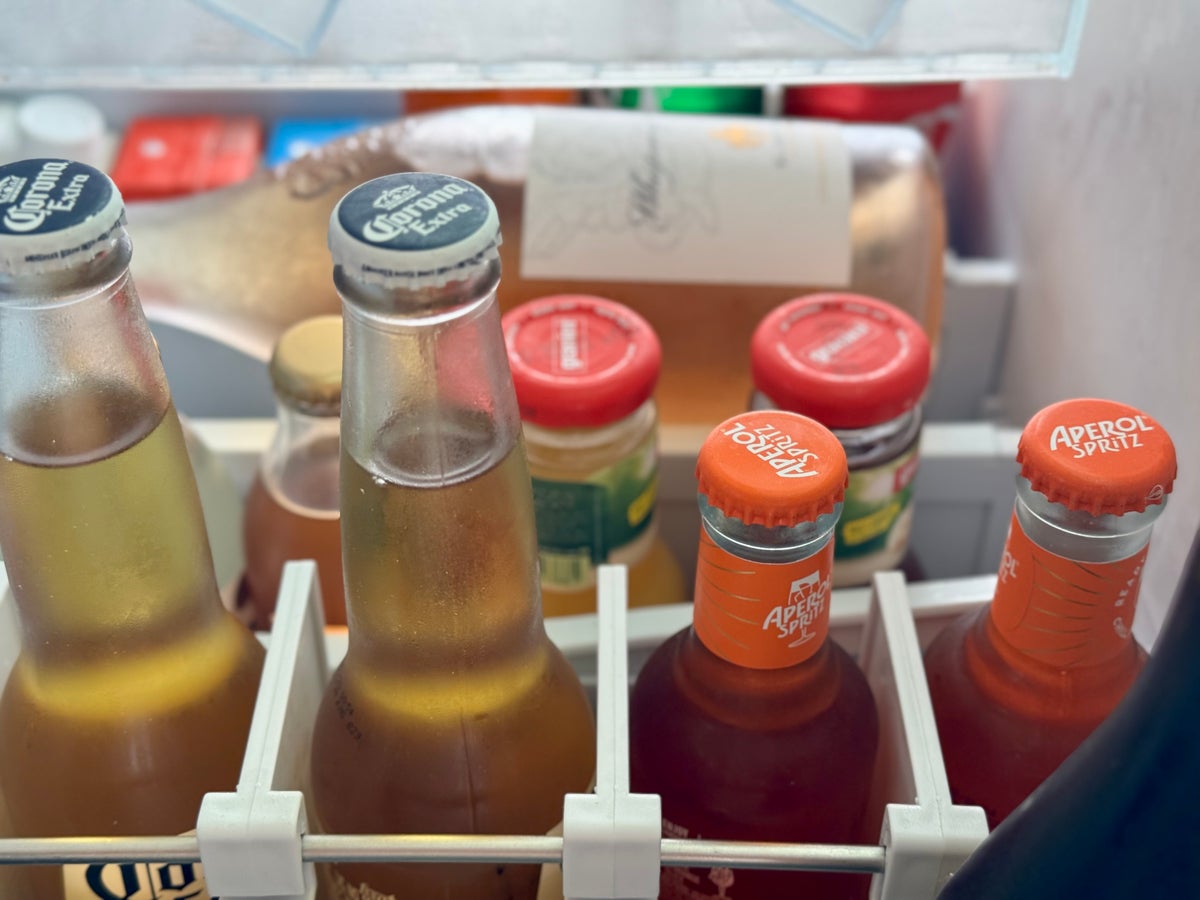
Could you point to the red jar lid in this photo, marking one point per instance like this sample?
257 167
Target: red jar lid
847 360
579 361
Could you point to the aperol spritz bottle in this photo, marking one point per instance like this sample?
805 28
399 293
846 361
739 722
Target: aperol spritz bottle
750 724
1020 683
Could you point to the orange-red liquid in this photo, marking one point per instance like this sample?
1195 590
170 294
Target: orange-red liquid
1006 721
760 755
276 531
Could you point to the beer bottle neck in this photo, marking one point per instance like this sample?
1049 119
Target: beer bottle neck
1068 582
437 511
80 376
102 532
416 358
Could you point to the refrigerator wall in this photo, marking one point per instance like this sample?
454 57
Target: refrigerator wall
1091 186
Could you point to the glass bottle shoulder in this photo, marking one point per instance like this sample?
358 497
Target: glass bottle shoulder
971 660
706 686
1079 535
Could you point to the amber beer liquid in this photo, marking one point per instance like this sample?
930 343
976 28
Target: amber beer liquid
1018 685
452 712
295 522
133 692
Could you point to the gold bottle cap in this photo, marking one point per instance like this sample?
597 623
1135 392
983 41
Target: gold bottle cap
306 367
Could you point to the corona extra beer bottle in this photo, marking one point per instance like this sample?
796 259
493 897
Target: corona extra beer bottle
134 688
452 711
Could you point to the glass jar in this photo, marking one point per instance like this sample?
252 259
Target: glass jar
859 366
292 508
584 369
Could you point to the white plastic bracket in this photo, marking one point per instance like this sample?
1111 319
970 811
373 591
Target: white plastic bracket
611 838
250 840
926 839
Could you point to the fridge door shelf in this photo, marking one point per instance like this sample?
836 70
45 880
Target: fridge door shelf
233 44
253 842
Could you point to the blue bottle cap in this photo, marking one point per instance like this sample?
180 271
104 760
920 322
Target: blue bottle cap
55 214
413 229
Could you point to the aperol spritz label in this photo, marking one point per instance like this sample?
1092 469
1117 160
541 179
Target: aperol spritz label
761 615
1062 612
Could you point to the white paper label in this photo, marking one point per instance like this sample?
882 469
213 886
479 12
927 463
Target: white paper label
134 881
627 196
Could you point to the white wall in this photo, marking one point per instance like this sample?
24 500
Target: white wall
1093 186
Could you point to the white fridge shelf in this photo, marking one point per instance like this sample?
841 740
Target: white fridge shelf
253 842
231 44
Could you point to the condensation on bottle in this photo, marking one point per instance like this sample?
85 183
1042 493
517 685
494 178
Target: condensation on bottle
134 688
452 712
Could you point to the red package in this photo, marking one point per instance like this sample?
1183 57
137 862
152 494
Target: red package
932 108
170 156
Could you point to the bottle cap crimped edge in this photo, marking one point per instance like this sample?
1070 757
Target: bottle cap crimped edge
306 365
413 229
1099 456
772 468
55 214
579 361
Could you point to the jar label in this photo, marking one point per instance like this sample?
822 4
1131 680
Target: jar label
1062 612
134 881
877 510
582 524
761 615
627 196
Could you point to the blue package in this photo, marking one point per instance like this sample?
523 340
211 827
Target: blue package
291 138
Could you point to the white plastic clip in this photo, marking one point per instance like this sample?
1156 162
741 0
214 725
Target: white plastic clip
250 840
611 838
928 838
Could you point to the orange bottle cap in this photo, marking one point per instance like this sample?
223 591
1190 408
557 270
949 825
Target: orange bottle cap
772 468
1097 455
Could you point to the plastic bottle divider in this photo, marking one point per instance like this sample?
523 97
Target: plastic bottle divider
252 842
